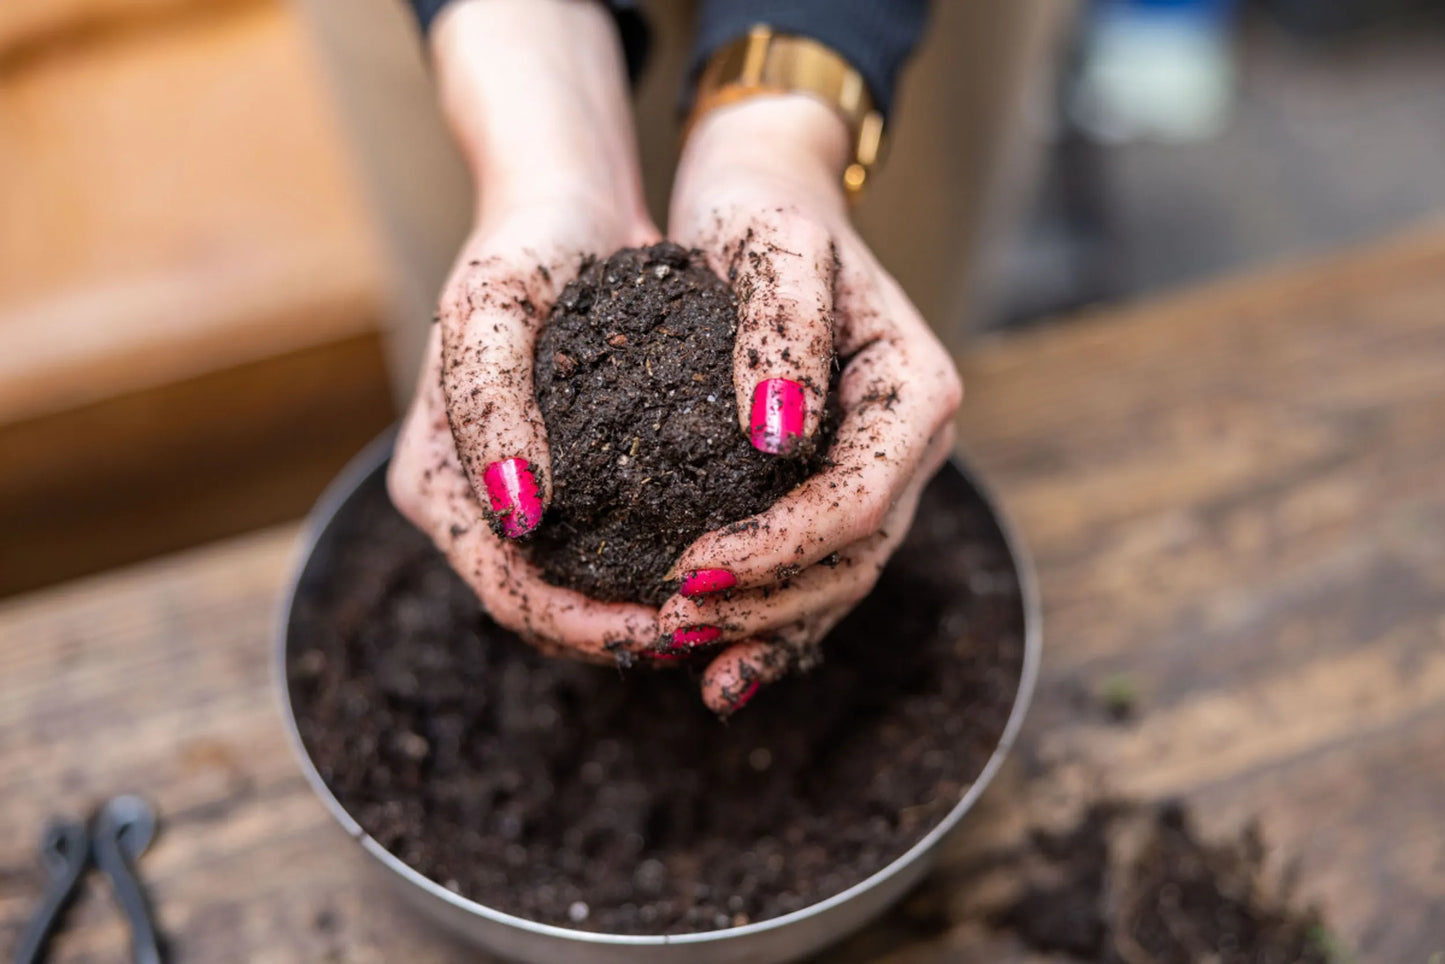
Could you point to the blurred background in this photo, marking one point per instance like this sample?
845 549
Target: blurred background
223 222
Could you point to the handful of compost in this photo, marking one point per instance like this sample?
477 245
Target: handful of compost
634 379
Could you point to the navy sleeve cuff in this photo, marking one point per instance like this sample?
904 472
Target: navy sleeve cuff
426 11
875 36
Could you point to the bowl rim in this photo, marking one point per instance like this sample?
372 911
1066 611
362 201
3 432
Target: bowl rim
372 457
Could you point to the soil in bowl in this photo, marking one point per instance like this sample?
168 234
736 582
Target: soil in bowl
585 797
634 378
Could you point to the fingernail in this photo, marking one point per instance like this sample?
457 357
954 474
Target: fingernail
702 581
666 655
777 416
749 691
512 489
695 635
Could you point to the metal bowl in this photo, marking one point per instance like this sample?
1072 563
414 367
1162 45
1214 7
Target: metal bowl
778 939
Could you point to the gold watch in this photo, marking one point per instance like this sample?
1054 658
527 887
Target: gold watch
765 62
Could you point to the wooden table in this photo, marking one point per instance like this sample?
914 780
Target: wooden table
1236 497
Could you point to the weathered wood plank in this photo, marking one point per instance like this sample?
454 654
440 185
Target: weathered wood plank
158 680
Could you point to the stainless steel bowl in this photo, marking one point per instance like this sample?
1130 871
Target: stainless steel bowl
779 939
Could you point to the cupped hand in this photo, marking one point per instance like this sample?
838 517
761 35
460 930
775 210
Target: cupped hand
471 466
758 190
536 93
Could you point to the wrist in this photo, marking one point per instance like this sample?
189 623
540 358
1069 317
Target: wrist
790 138
535 91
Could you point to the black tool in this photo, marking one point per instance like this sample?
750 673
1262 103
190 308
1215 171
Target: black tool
65 852
121 832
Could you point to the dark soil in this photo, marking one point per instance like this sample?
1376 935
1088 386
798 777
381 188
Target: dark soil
581 796
1135 885
634 377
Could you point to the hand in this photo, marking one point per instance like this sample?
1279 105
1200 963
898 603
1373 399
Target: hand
535 91
759 191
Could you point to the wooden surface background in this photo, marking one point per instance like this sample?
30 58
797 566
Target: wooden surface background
1236 499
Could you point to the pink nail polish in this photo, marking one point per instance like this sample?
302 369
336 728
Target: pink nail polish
777 416
512 489
666 656
695 635
746 695
702 581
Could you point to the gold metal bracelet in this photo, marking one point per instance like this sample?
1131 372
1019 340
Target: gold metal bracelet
765 62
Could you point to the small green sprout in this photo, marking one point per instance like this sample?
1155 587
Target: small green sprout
1334 949
1119 695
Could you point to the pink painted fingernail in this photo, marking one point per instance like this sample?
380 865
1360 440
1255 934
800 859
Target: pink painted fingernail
666 655
749 691
777 416
512 489
695 635
702 581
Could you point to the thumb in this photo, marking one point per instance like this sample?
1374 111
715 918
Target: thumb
490 317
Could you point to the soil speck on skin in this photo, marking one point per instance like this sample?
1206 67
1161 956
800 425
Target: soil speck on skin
544 786
634 378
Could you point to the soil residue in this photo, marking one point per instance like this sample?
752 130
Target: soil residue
1136 885
634 378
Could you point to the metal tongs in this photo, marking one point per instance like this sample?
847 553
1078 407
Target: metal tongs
120 833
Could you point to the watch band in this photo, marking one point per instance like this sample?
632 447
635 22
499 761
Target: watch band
764 62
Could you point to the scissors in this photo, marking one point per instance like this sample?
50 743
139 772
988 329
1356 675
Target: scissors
120 833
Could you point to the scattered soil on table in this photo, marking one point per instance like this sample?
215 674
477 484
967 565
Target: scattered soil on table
634 377
1135 885
615 801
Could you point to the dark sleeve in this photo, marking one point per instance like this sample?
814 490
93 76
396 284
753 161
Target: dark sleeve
631 27
875 36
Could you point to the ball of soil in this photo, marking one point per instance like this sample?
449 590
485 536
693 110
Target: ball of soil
634 377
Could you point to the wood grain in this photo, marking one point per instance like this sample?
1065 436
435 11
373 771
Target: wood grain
172 466
157 681
1235 498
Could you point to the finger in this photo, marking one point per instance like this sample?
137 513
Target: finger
489 318
782 269
899 395
428 486
686 623
559 619
513 592
731 681
841 582
423 469
733 678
